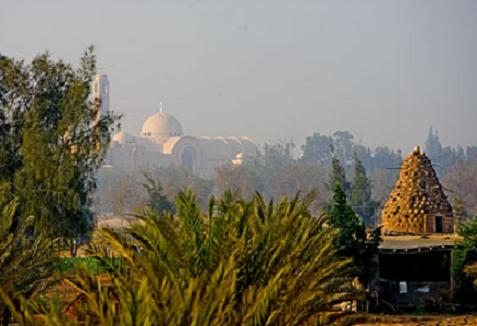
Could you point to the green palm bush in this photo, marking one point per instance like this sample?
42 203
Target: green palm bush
27 259
238 263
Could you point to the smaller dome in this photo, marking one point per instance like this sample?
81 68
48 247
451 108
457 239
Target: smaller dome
122 138
160 126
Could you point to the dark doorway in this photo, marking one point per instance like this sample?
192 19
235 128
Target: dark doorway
189 158
439 224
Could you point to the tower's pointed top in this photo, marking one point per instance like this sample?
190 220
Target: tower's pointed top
161 107
417 203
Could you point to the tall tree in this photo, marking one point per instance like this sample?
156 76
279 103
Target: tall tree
338 176
352 239
53 141
361 193
343 146
433 148
318 149
361 187
157 200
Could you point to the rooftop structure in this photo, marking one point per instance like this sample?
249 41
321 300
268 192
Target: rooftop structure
417 204
415 254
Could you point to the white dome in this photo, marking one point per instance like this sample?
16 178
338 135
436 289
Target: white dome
160 126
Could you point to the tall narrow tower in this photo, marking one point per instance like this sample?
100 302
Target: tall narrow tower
101 93
101 102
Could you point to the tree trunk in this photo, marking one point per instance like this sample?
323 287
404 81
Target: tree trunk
73 248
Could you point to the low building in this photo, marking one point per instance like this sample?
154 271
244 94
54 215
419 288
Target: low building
416 270
417 224
162 143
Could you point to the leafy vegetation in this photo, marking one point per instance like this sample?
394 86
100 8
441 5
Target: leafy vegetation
158 202
52 142
27 258
238 263
464 262
69 265
352 239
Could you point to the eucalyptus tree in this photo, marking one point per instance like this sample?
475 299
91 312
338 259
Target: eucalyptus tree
52 141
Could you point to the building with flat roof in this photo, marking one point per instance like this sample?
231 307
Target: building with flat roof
415 254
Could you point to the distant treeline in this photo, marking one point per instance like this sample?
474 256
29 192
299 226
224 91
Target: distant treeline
280 169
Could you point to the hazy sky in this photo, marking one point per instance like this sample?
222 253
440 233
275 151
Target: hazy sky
272 70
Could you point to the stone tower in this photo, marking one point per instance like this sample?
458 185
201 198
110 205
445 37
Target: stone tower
417 203
101 101
101 93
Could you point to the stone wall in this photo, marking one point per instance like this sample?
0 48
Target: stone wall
417 203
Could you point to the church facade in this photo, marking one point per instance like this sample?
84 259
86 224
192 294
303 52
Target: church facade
162 142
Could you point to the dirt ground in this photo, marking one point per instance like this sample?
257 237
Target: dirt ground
419 321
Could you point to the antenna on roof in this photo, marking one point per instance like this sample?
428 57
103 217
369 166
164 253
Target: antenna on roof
161 107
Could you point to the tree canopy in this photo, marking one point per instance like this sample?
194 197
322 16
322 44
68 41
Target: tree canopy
52 140
352 239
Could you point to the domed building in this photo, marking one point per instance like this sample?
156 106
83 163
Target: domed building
162 142
160 126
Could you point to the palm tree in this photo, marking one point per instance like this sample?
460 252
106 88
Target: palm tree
238 263
27 259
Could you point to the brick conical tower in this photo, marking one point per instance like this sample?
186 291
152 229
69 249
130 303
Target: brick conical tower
417 203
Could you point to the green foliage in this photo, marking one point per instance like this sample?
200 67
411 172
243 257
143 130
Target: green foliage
27 257
174 179
361 187
338 176
360 198
238 263
52 141
352 240
464 261
157 200
69 265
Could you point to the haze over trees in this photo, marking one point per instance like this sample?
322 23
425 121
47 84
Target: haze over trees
281 170
260 253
